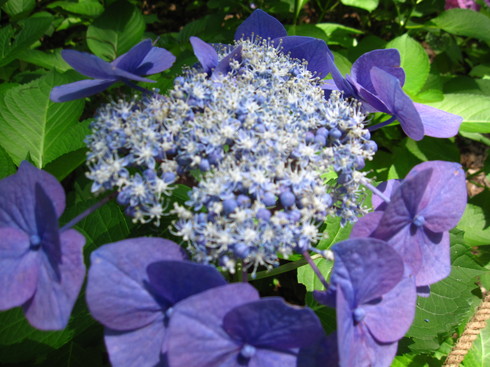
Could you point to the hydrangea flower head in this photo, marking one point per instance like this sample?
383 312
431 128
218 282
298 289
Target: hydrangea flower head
422 209
132 288
142 59
41 269
253 142
374 301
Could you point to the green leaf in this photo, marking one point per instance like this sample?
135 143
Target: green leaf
467 85
325 314
31 124
479 354
18 8
332 33
342 63
307 276
368 5
409 360
7 167
31 30
66 164
475 110
335 233
450 304
464 22
476 220
476 136
88 8
49 60
414 61
116 30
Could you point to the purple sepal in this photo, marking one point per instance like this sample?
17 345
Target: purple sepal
79 89
341 83
57 289
223 66
313 50
140 347
438 123
131 60
19 268
205 53
320 354
366 268
389 91
387 189
89 65
261 24
270 323
195 335
387 60
435 257
172 281
156 61
117 288
366 225
18 197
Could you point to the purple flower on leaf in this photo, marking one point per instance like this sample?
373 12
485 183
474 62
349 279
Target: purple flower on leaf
133 286
374 301
41 269
142 59
422 209
230 326
377 79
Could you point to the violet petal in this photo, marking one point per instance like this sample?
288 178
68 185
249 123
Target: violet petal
223 66
117 293
436 261
205 53
387 188
438 123
156 61
19 268
135 348
273 324
51 305
389 90
366 225
261 24
89 65
80 89
133 58
195 336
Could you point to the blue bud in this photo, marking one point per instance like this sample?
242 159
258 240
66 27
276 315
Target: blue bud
243 201
241 250
309 137
263 214
321 140
287 199
247 351
359 314
322 131
269 199
370 145
335 134
294 216
168 177
229 206
204 165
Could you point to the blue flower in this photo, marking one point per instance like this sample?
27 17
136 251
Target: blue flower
376 79
41 269
422 209
374 300
142 59
133 287
230 326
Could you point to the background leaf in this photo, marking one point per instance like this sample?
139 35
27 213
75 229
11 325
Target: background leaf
31 124
464 22
116 30
368 5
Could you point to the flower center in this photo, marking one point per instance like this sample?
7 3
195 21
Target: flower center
419 220
248 351
35 241
359 314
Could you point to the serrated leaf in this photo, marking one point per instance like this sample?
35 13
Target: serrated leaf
31 124
479 354
7 167
88 8
475 110
307 276
31 30
368 5
464 22
414 61
476 220
49 60
450 304
116 30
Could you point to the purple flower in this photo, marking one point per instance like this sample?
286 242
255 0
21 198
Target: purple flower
376 79
260 25
422 209
133 287
464 4
41 269
230 326
142 59
374 300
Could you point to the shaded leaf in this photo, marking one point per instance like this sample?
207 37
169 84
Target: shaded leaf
368 5
464 22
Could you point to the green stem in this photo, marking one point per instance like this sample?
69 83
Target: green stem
283 268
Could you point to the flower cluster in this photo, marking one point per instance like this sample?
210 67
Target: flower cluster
254 140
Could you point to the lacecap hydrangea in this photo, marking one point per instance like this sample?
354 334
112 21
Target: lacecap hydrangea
248 128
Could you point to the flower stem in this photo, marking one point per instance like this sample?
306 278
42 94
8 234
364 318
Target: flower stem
87 212
376 191
315 269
